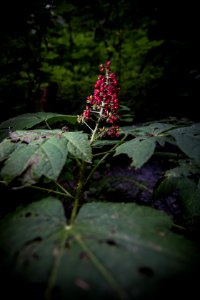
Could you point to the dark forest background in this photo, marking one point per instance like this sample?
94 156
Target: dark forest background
50 52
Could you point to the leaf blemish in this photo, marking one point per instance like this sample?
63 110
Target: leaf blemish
146 271
82 284
161 233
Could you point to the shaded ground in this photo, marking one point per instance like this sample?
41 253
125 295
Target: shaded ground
119 182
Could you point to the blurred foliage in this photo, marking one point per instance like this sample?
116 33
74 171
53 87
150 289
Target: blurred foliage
51 49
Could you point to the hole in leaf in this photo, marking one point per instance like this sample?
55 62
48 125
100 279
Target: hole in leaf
146 271
28 214
111 242
28 252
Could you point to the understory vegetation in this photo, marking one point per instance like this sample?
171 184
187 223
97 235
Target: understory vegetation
99 150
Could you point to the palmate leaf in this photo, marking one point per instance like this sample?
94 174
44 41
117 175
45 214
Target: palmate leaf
154 129
6 148
179 180
189 197
188 140
188 194
113 251
139 149
35 153
26 121
36 159
142 147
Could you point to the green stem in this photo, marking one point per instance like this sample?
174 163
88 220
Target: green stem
65 193
101 153
103 158
3 182
94 132
47 125
182 228
88 126
64 190
78 192
97 124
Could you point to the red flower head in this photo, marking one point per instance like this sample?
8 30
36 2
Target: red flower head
104 101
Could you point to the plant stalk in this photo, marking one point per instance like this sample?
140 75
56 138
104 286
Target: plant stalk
103 158
79 190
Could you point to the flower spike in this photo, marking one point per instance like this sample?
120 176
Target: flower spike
103 104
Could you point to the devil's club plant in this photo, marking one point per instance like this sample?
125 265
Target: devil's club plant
102 108
29 155
77 252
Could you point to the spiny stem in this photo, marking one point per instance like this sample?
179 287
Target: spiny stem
103 158
78 193
64 190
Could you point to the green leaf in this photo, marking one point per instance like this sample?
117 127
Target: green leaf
139 149
155 129
186 167
189 197
60 118
113 251
32 154
188 140
188 194
6 148
79 145
44 157
178 179
29 120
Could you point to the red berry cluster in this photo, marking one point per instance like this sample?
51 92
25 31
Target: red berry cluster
104 101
